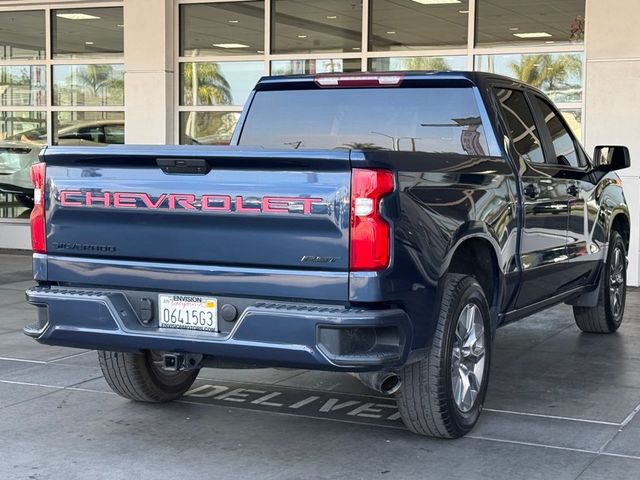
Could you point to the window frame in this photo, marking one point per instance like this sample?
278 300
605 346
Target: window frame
48 109
507 131
541 125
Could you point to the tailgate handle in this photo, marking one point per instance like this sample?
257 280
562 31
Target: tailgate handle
193 166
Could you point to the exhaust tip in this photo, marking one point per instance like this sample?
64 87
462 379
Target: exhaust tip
390 384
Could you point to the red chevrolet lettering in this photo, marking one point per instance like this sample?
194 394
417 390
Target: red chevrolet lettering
242 209
66 202
124 200
223 200
184 200
276 204
189 201
91 198
149 203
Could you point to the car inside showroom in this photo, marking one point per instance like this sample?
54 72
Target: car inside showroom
353 285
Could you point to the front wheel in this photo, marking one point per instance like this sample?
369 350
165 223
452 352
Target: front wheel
140 377
606 315
442 394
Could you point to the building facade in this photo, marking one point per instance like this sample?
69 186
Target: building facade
179 71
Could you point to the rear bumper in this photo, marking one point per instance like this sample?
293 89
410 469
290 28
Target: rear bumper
267 334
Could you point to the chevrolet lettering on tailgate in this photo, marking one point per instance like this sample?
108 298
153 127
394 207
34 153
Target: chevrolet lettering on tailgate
189 201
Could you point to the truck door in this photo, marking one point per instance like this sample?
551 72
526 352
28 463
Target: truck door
543 252
583 250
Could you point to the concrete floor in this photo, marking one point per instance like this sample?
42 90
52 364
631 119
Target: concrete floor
561 404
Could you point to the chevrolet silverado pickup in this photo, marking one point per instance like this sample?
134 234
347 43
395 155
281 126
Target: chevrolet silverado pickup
380 225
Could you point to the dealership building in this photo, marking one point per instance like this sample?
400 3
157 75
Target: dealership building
178 71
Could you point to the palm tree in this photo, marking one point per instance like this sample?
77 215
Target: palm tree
546 72
208 81
99 81
426 63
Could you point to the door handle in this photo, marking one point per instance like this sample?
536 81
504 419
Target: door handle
531 191
573 190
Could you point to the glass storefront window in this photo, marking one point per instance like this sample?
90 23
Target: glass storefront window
22 136
502 22
559 75
573 117
226 28
418 24
310 67
23 85
218 83
22 35
87 33
390 64
85 85
207 128
76 128
307 26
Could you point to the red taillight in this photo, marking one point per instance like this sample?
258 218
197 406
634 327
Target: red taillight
38 231
370 233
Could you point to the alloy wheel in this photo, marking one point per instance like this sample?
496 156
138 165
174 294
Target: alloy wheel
468 357
617 282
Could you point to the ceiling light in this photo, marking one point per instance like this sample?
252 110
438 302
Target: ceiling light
260 51
391 33
88 43
514 29
532 35
437 2
233 21
549 41
302 36
332 17
76 16
463 11
230 45
355 48
120 25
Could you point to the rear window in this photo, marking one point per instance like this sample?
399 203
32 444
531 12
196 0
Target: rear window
435 120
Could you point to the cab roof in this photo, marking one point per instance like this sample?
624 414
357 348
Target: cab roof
406 79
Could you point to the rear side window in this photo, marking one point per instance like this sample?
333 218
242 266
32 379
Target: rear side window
522 128
562 141
443 120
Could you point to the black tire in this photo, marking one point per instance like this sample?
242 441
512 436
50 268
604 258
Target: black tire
606 316
426 398
24 200
136 377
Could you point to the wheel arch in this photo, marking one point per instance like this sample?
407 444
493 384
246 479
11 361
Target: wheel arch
477 255
621 224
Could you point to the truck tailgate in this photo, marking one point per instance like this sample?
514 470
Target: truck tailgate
204 206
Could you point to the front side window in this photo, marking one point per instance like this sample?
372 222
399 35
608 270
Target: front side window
435 120
521 125
565 149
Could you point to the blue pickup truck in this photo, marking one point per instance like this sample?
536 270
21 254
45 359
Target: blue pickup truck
381 225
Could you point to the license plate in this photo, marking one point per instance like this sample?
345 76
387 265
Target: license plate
189 312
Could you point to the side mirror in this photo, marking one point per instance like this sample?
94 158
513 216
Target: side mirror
610 158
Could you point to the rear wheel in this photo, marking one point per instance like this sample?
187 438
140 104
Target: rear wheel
140 377
606 315
442 394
